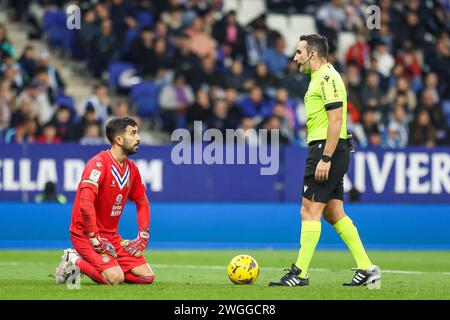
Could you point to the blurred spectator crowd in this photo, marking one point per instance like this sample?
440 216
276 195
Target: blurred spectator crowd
174 62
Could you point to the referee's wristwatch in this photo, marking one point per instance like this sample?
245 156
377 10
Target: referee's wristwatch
326 158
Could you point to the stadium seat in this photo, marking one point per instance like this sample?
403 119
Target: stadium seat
292 37
291 27
69 44
122 75
278 22
231 5
144 96
130 35
298 24
446 108
144 19
67 101
303 23
144 89
53 18
54 24
147 107
246 11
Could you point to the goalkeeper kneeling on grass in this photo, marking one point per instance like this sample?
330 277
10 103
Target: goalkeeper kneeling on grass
108 180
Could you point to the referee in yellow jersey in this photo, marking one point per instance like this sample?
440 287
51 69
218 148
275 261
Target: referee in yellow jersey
327 162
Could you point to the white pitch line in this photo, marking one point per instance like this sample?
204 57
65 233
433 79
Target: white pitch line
17 264
415 272
180 266
176 266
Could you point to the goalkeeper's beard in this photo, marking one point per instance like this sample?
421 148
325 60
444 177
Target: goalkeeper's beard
131 150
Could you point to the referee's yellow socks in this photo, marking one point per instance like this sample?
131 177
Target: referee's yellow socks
309 238
348 232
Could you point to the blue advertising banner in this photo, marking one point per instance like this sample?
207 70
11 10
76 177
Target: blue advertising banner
24 170
230 225
408 175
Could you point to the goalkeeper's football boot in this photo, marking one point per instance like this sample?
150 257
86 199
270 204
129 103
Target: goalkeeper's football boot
291 279
370 277
64 270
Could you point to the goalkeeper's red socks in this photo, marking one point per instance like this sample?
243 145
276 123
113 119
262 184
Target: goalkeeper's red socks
131 278
90 271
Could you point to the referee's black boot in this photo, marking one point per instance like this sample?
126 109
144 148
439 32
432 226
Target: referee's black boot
370 277
291 279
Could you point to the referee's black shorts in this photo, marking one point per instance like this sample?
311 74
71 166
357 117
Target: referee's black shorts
333 188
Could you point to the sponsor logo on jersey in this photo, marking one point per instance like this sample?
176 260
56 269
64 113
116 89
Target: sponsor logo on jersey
116 211
117 207
98 164
322 87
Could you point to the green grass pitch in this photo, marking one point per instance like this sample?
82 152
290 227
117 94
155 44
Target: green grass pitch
201 274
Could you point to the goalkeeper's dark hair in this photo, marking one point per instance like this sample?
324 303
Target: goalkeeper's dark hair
317 43
118 126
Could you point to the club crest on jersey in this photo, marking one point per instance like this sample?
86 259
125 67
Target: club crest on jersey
119 199
121 179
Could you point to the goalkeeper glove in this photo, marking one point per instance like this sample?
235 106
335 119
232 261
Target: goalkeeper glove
137 246
102 245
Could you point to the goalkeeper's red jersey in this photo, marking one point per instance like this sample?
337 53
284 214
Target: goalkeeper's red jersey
113 184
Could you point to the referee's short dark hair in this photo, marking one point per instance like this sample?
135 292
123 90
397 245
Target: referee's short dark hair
118 126
317 43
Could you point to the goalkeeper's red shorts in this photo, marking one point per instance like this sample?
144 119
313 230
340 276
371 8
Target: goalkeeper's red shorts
102 262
